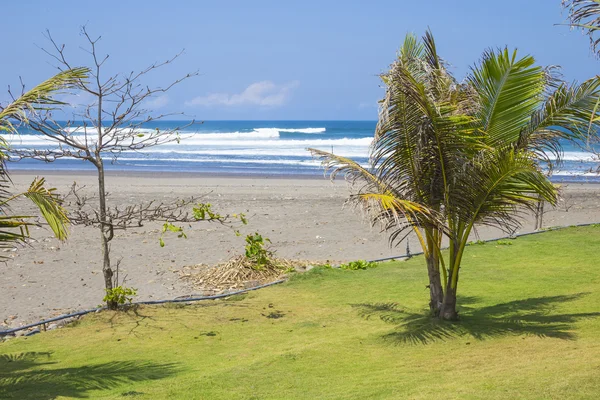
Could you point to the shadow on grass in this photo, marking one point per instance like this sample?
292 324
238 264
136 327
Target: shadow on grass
141 320
32 376
533 316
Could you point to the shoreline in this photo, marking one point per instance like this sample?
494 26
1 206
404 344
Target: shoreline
168 174
222 175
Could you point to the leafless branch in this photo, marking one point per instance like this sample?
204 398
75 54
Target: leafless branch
113 122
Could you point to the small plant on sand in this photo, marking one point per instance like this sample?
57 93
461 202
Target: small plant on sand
120 295
358 265
256 250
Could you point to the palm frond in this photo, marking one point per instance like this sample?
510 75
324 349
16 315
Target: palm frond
411 50
352 171
509 90
13 229
570 112
496 186
421 129
40 96
382 202
50 206
397 216
585 15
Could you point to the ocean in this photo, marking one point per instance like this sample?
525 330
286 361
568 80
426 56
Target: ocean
259 148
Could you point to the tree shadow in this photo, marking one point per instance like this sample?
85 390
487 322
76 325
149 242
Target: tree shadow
30 376
532 316
141 320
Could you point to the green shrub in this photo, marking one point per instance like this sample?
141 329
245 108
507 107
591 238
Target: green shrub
120 295
256 251
476 242
358 265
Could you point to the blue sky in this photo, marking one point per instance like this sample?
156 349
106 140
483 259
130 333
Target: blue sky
283 59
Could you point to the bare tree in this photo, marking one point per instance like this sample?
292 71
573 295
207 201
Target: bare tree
105 128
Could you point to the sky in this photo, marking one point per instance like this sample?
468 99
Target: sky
281 60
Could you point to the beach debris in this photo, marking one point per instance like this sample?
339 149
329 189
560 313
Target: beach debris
257 266
240 272
233 274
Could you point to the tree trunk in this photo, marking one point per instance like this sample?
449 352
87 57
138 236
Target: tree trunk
448 311
436 294
107 271
106 235
539 215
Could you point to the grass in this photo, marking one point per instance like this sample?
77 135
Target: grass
530 328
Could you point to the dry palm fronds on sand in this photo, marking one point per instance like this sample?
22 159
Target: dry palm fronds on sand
240 272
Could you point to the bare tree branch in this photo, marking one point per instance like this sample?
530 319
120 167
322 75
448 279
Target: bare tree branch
113 122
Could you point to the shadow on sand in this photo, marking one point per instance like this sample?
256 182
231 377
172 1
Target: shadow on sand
533 316
32 376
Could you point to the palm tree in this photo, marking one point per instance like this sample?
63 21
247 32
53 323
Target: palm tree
14 227
449 156
402 189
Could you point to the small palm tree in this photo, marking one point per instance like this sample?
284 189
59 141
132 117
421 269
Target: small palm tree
448 156
14 227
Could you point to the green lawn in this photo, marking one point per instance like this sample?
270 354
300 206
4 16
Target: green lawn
530 328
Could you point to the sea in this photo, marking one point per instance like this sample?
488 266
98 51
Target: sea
265 148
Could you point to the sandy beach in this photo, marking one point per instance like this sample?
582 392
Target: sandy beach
304 218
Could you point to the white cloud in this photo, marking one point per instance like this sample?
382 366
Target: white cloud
157 102
264 93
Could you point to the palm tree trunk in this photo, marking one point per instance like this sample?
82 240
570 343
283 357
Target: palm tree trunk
436 293
448 310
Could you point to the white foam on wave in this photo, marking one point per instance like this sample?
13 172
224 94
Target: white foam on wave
575 173
308 162
204 141
255 138
253 135
37 140
579 156
200 140
293 130
256 133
